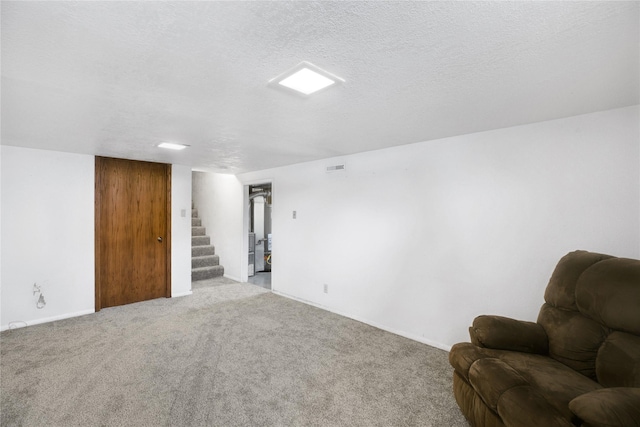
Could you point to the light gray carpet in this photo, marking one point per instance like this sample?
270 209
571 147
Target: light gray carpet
229 355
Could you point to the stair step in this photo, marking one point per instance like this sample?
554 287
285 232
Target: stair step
198 231
194 213
202 250
204 273
200 241
196 222
205 261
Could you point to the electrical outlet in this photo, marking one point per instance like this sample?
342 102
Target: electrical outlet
295 214
326 288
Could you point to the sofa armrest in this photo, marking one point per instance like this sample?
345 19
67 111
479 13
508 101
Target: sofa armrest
615 406
509 334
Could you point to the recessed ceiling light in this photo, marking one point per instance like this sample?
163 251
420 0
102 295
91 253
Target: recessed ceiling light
172 146
306 81
306 78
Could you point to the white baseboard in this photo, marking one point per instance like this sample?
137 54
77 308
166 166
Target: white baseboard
232 278
182 294
22 323
410 336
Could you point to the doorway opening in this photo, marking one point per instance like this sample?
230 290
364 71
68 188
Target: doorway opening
260 236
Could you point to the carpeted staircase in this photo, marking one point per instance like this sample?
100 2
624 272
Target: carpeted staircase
205 264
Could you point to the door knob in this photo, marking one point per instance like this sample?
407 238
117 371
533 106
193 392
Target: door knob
159 239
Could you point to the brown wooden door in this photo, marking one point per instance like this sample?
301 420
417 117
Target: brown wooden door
133 229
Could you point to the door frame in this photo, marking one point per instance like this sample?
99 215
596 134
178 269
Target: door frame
244 265
97 217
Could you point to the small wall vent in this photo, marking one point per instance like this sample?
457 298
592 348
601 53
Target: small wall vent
336 168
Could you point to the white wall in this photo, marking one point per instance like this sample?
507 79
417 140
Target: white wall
1 323
47 227
47 235
421 238
180 230
219 201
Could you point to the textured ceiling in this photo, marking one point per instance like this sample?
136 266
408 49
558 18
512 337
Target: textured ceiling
117 78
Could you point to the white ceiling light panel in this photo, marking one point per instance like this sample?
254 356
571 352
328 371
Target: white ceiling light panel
306 78
172 146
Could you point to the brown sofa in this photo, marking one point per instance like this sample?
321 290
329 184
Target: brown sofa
578 365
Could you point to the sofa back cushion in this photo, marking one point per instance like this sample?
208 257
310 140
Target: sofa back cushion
609 293
561 290
592 317
618 361
573 339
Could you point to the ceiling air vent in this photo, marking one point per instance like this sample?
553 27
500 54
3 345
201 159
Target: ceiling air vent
336 168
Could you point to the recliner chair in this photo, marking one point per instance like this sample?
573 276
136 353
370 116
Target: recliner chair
578 365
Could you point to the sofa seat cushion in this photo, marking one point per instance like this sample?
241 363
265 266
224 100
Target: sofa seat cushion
525 406
491 377
493 373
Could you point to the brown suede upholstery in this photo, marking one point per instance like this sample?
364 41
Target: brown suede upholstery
578 365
